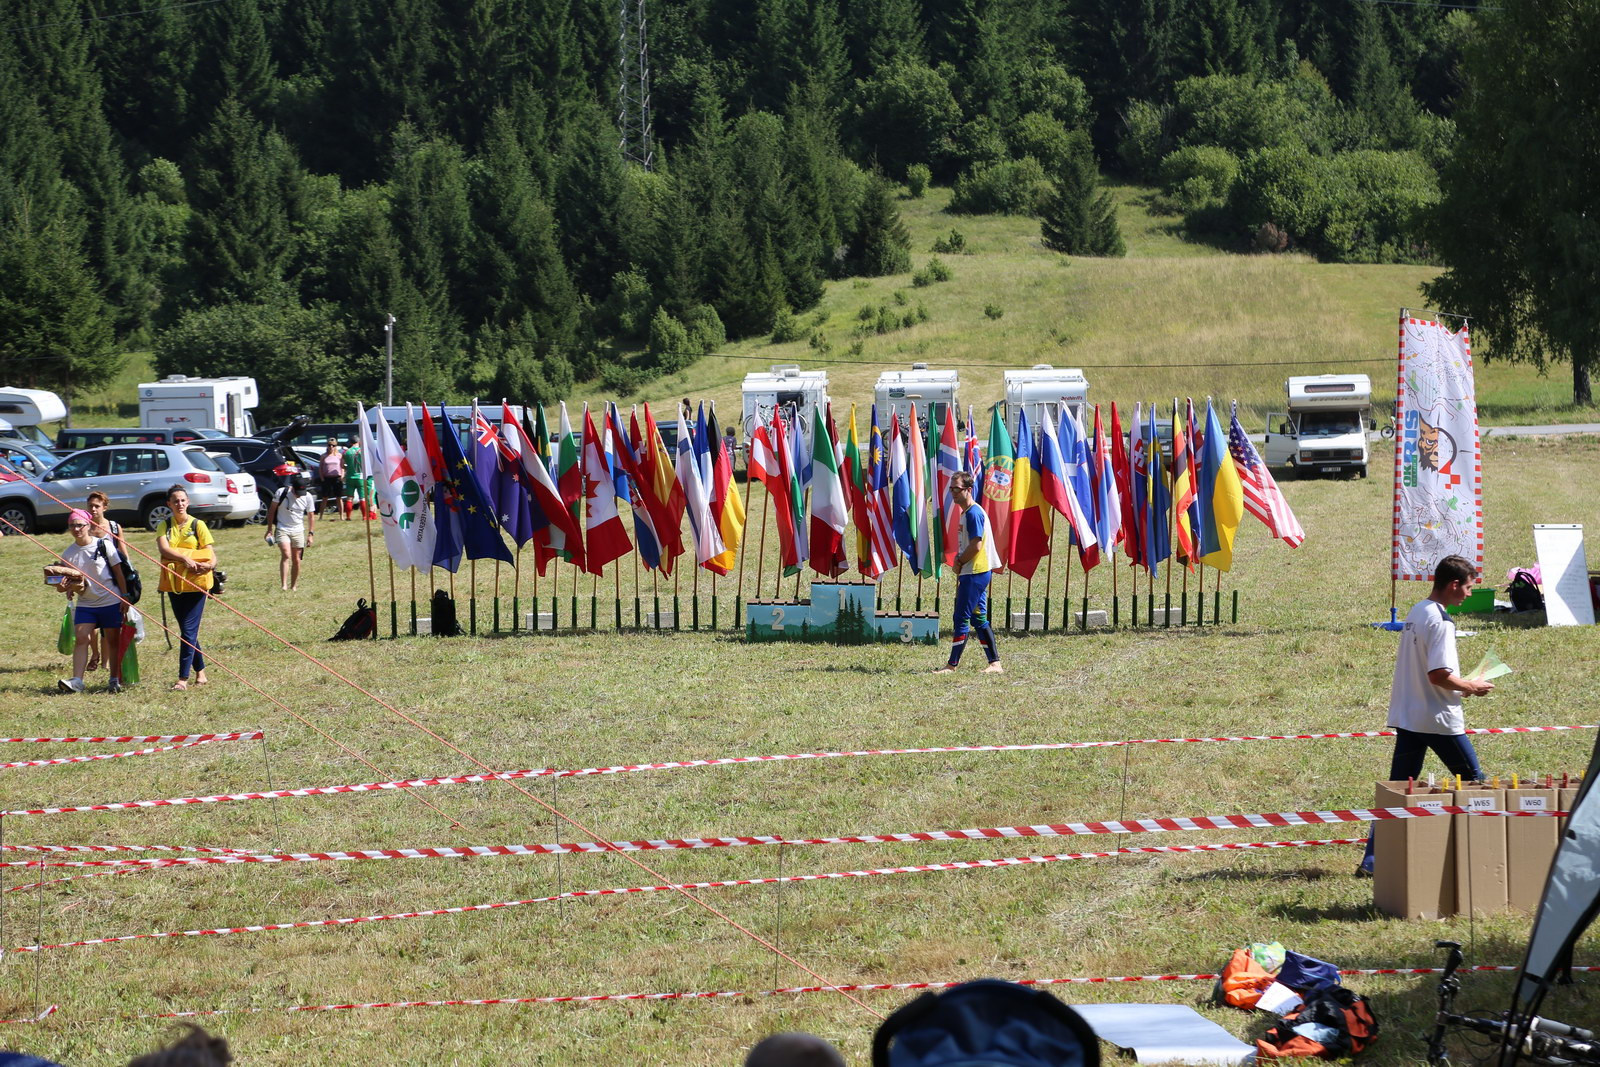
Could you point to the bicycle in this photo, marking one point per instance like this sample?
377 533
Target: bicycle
1536 1040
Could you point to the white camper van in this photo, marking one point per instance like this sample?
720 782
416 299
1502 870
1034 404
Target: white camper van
1325 429
798 392
23 411
178 401
1042 390
932 391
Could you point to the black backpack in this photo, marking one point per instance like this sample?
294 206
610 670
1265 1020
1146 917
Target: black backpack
444 615
129 576
1524 591
362 624
989 1023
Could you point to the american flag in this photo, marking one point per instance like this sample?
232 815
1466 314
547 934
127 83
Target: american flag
1262 498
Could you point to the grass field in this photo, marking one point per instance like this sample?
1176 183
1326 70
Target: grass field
1301 659
1173 318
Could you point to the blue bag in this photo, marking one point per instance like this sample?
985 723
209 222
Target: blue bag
1303 974
986 1023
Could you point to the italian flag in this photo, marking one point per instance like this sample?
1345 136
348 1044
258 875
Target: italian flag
828 510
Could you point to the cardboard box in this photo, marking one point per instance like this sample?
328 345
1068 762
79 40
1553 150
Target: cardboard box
1530 846
1480 852
1414 869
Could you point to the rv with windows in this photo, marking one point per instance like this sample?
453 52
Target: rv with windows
179 402
23 411
932 391
1041 391
796 392
1325 428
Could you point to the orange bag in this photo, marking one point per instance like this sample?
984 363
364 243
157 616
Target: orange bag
1243 980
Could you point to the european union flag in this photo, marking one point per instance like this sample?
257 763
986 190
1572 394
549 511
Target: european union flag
466 521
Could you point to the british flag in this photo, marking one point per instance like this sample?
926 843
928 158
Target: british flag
1262 498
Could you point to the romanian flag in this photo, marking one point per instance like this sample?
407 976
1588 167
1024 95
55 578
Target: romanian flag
1030 515
1222 495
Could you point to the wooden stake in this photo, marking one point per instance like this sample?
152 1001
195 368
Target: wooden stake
372 575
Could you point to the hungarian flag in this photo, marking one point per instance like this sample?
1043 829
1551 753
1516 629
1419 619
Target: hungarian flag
828 511
998 470
1030 515
603 530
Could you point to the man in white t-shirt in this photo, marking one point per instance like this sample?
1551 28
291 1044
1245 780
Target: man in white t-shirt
1425 698
293 518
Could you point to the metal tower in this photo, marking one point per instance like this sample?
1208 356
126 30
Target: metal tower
633 94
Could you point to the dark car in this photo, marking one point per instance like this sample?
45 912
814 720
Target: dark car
269 459
316 434
77 438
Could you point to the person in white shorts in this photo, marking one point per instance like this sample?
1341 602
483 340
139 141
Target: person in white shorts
293 518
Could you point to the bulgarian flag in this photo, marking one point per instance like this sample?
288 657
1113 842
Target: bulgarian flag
828 510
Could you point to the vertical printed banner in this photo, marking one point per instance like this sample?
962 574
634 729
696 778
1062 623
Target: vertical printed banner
1438 472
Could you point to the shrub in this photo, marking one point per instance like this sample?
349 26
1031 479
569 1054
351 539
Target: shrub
1042 137
935 271
1145 140
900 297
629 305
1006 187
669 348
887 320
994 311
706 333
954 244
1198 176
917 178
785 327
622 380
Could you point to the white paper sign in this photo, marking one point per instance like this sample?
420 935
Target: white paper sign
1566 575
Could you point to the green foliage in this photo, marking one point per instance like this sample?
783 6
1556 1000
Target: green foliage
1516 223
669 349
300 349
785 327
1198 176
629 306
1009 187
993 311
54 329
881 243
706 334
1044 138
907 114
1078 218
1145 139
917 178
951 244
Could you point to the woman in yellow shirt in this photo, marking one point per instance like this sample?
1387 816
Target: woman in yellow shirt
188 557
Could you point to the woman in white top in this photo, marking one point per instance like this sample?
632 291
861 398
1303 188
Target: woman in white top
102 606
293 518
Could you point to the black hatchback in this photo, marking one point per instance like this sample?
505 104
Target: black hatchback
269 458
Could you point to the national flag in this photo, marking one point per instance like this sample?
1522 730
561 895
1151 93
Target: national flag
569 479
483 455
1223 496
549 519
1261 495
1158 532
999 471
707 539
662 492
921 554
606 539
398 497
948 467
700 432
516 512
1030 515
762 465
1107 501
880 501
828 511
1183 488
1197 510
551 541
423 531
446 506
645 538
799 480
727 509
1139 498
903 521
780 484
856 479
1080 482
480 535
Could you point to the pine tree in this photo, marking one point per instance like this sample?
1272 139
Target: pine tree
55 332
881 243
1078 218
588 190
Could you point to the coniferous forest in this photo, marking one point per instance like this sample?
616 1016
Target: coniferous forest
251 186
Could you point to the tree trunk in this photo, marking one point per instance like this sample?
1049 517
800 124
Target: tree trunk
1582 395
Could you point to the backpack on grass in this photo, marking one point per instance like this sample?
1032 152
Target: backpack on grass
1332 1023
362 624
444 615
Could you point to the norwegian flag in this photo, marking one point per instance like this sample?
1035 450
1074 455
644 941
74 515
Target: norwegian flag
1262 498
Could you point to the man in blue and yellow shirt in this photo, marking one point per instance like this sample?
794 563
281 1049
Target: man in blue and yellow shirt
974 562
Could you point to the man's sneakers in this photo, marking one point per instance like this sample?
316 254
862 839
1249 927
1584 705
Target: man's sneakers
114 686
70 685
1364 869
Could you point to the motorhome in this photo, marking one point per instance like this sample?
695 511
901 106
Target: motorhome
23 411
208 403
797 392
1325 428
1041 390
932 391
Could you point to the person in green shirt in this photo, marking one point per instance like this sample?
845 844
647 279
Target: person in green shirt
358 490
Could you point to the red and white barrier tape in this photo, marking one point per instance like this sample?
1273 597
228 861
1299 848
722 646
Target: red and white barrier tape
120 848
74 878
149 739
598 998
120 755
1125 826
923 868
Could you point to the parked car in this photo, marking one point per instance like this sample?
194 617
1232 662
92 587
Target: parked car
28 459
314 435
241 487
268 459
135 479
76 438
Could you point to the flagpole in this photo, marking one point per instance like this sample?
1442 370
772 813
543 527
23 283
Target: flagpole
694 594
474 598
372 578
497 594
761 553
677 584
535 626
516 590
575 571
616 576
1011 577
1049 568
655 592
1116 607
1216 600
1184 597
594 599
413 602
900 584
1083 620
1200 599
744 552
1066 589
394 604
638 621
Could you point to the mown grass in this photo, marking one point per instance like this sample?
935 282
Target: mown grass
1300 659
1173 318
